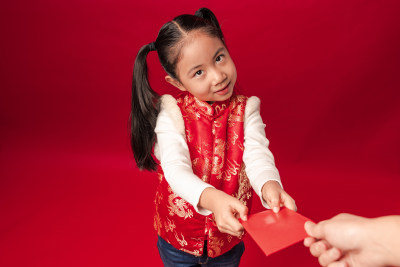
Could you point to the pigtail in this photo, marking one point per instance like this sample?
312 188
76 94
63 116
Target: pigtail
144 112
208 15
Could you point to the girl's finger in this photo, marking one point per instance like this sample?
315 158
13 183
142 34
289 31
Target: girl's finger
242 211
274 201
235 230
233 225
288 201
227 231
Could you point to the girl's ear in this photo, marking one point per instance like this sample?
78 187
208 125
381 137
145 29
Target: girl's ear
175 83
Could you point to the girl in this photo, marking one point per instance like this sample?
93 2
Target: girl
209 142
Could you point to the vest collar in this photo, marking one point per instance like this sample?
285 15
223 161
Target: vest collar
211 111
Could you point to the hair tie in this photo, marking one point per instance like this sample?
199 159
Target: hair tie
152 46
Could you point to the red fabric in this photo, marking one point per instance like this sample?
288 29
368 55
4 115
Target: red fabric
215 136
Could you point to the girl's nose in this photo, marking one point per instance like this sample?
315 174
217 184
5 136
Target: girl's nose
218 77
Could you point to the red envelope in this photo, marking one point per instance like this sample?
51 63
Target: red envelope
273 232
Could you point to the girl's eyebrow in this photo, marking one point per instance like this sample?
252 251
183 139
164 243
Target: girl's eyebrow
192 69
215 55
218 51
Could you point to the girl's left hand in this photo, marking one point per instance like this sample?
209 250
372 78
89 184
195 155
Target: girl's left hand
276 197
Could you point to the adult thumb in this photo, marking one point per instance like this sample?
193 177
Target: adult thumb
314 230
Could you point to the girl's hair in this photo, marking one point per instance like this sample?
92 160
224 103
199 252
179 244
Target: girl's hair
145 106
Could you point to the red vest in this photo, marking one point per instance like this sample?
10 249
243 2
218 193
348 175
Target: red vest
215 135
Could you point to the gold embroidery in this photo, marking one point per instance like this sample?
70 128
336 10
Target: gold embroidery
238 106
203 168
157 219
158 198
178 206
219 108
182 241
189 136
203 106
194 252
169 226
231 169
157 223
233 137
217 124
244 193
240 145
215 245
219 158
159 176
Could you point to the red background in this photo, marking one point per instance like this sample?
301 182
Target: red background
327 73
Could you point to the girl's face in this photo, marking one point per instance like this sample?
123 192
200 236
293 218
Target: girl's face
205 68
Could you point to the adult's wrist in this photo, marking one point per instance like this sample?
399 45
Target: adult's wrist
385 233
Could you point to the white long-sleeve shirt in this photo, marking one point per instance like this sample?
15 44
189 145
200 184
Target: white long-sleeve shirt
173 153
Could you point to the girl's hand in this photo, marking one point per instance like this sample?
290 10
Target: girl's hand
276 197
227 210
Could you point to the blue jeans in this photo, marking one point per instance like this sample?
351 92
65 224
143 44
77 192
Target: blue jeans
173 257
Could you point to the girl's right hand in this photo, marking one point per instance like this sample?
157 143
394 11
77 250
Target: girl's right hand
227 210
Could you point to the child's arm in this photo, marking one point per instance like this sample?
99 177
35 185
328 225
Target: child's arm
260 164
227 210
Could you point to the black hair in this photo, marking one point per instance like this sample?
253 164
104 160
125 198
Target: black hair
145 104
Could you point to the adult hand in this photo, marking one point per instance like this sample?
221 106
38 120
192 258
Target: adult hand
349 240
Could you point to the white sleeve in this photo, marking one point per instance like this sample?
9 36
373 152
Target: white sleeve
172 151
259 161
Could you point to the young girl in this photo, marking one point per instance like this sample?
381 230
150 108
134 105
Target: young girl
209 142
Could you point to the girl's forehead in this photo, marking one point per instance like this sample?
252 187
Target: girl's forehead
199 48
199 37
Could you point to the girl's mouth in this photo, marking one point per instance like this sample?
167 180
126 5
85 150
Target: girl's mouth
224 90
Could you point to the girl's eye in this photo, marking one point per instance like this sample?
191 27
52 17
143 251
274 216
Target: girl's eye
219 58
198 73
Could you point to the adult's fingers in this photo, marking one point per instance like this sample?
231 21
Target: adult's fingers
319 248
341 263
308 241
329 256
